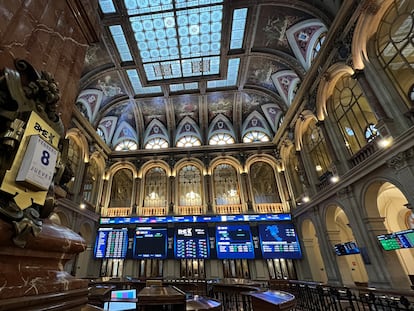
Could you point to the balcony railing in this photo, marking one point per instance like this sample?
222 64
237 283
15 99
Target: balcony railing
230 209
264 208
364 153
190 210
116 211
152 211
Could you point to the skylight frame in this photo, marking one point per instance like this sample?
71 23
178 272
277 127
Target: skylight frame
177 38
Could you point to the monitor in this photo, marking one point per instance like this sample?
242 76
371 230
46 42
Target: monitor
191 242
279 241
120 300
111 243
397 240
150 243
346 248
234 242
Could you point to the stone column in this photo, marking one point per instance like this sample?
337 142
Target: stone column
246 191
208 197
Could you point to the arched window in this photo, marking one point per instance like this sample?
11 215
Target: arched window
294 173
156 143
126 145
189 186
221 139
226 185
316 147
188 141
91 183
352 113
121 189
263 181
395 46
318 45
74 162
155 190
255 137
101 134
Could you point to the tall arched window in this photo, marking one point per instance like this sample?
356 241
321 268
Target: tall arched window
352 113
189 186
263 181
91 183
74 162
155 190
121 189
316 147
226 185
294 173
395 46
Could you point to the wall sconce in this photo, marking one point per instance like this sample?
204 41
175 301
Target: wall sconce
385 142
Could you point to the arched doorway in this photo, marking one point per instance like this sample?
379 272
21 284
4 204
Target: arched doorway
313 252
351 266
387 212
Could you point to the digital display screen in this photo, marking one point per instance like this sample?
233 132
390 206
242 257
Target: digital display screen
193 219
397 240
234 242
111 243
279 241
191 242
150 243
347 248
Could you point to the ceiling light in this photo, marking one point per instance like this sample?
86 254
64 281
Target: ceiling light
334 179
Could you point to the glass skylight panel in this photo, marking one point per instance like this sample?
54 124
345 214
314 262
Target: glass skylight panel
120 42
237 29
232 74
136 84
191 3
183 86
146 6
107 6
177 41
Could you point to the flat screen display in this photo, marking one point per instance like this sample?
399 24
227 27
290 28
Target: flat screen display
191 242
111 243
150 243
279 241
397 240
347 248
234 242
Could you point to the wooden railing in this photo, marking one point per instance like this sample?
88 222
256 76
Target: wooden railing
152 211
190 210
116 211
271 208
230 209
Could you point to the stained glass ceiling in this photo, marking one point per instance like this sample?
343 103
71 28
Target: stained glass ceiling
177 39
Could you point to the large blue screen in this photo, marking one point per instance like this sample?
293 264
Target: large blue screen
111 243
234 242
279 241
150 243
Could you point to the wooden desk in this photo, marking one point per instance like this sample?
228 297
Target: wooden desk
154 297
272 300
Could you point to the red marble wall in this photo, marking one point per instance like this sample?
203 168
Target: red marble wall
53 36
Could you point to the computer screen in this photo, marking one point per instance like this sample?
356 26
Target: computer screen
150 242
191 242
116 303
346 248
234 242
279 241
397 240
111 243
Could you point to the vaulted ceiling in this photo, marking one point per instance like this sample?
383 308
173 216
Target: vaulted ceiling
169 69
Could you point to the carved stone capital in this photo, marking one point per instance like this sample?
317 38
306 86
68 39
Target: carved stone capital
401 160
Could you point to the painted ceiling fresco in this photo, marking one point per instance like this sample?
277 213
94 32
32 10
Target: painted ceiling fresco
265 52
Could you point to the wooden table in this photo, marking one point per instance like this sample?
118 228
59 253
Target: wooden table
167 297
